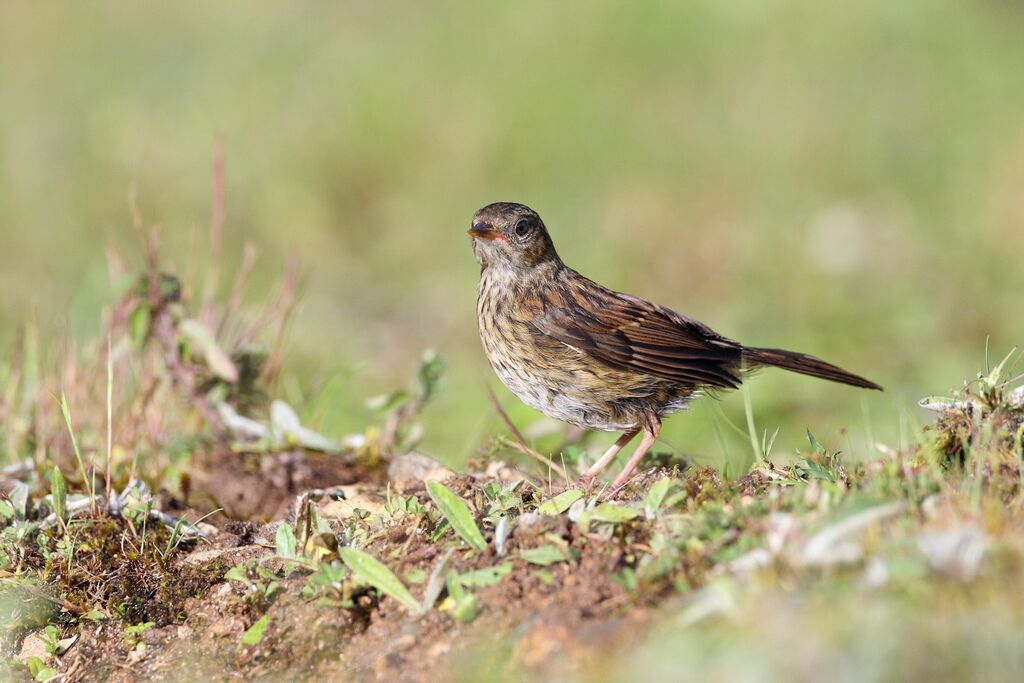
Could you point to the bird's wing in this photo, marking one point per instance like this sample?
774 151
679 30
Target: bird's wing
628 333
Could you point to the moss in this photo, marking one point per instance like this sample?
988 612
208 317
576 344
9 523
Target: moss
187 582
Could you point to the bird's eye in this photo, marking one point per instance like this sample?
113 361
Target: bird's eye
522 227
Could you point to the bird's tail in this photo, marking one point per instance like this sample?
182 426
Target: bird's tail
805 365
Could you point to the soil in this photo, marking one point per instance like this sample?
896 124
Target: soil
548 620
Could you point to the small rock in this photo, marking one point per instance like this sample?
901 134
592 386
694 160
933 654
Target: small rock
955 552
439 649
357 496
388 666
34 646
748 562
529 519
223 627
402 643
781 528
223 590
503 472
155 635
543 643
838 543
200 557
876 574
416 467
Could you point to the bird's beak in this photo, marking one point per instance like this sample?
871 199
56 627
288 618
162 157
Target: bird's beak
485 232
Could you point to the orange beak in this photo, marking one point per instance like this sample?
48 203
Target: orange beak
485 232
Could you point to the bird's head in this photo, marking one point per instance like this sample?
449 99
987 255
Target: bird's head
511 235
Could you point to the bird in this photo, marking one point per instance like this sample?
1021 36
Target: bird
595 358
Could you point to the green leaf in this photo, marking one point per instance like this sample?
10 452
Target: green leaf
216 358
815 446
138 324
458 515
59 493
560 503
462 605
6 510
656 494
254 634
488 576
664 493
369 570
544 555
238 573
416 575
626 578
613 514
38 670
429 374
136 629
19 500
285 542
387 402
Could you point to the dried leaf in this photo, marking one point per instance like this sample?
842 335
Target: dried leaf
200 336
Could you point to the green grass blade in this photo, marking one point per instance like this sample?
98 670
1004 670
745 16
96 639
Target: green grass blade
365 568
86 478
458 515
59 493
748 409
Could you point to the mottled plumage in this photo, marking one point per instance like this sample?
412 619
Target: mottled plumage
595 358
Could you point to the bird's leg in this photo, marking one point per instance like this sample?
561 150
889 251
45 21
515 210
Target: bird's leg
609 455
650 436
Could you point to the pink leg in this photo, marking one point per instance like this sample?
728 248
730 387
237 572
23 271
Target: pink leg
650 436
609 455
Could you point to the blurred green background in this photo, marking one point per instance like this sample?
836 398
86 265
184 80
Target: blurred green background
840 178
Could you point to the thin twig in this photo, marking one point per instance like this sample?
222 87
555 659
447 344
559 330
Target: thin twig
110 413
217 214
506 419
520 443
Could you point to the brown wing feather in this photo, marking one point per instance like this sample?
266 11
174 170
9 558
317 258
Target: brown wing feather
628 333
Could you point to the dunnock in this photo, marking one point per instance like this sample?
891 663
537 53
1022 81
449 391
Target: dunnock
595 358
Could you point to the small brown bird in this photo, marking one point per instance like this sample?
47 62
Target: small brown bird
594 358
